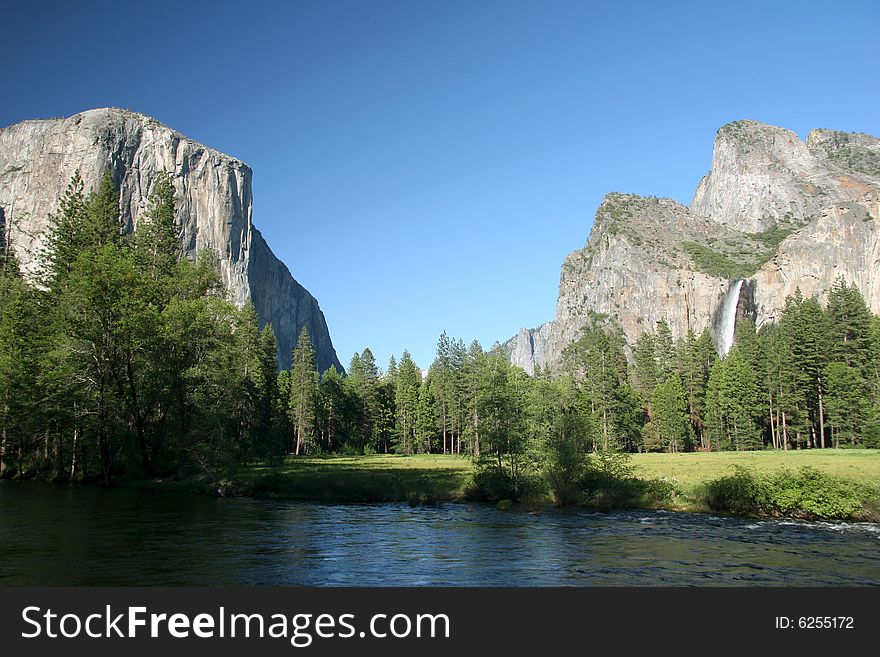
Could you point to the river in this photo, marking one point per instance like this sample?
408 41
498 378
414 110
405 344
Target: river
63 535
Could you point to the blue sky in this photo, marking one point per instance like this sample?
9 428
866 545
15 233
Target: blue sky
424 166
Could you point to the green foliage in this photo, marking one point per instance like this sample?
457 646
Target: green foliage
610 481
506 468
671 427
741 492
717 263
732 404
808 493
303 394
733 261
565 431
128 362
811 494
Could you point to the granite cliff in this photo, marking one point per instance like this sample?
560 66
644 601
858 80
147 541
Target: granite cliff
212 194
774 212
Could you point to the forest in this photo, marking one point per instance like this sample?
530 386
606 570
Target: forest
123 359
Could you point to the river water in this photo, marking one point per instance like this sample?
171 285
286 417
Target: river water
60 535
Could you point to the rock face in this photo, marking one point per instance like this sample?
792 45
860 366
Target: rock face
527 348
763 175
774 211
212 195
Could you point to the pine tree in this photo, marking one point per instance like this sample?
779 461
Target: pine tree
426 421
695 358
406 397
67 232
102 219
732 404
647 373
670 415
155 240
847 406
442 375
472 373
9 267
597 358
333 417
849 326
303 393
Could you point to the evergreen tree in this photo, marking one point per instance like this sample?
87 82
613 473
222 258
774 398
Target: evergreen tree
670 420
332 403
155 241
472 374
847 406
647 372
426 421
695 358
732 404
443 388
303 393
67 232
406 398
597 359
102 221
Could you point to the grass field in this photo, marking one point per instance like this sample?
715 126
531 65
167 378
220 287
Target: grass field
432 478
687 470
376 478
383 477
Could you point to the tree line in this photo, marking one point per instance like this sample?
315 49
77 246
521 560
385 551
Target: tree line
125 359
809 380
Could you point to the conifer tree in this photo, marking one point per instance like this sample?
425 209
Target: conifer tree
406 397
303 393
333 409
670 415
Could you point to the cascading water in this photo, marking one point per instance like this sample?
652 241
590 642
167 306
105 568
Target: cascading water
728 317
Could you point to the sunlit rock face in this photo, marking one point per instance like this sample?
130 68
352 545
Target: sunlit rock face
212 194
775 211
527 348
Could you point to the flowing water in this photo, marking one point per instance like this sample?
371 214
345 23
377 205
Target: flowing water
726 329
60 535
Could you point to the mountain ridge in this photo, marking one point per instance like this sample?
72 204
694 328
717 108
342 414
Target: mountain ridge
774 210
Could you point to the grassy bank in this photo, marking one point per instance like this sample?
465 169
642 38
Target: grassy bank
689 482
376 478
688 470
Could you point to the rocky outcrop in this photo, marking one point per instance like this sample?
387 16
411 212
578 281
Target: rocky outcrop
774 211
843 241
212 195
527 348
763 176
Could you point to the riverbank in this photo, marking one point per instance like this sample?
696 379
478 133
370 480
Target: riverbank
844 484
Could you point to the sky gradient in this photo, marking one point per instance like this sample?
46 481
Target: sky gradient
426 166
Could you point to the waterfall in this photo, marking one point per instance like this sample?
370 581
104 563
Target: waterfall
728 317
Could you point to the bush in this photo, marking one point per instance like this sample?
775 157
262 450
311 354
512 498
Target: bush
494 483
741 492
813 494
808 494
610 482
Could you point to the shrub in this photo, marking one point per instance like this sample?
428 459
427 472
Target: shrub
741 492
808 494
611 482
494 483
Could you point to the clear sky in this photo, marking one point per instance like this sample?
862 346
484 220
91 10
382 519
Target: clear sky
426 165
